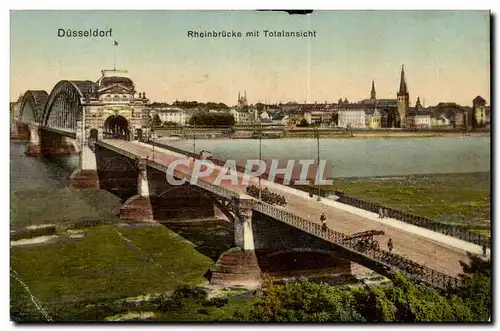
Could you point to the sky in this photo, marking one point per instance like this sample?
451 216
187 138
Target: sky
446 54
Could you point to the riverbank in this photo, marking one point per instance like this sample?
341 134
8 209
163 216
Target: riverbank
98 264
311 133
381 134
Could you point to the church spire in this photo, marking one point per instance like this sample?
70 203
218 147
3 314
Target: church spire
402 85
373 94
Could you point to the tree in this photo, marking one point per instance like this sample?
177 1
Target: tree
404 301
303 301
170 124
476 286
212 120
374 305
260 106
157 120
303 123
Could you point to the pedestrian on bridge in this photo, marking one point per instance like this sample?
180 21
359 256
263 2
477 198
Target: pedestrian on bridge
380 213
323 223
390 245
484 249
386 213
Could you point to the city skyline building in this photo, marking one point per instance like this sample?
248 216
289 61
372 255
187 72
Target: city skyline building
278 69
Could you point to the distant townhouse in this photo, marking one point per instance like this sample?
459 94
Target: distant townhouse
172 115
419 118
440 120
168 113
352 115
244 115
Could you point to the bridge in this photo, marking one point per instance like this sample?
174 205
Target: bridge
104 122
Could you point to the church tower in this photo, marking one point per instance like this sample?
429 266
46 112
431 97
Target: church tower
242 101
418 105
372 93
403 99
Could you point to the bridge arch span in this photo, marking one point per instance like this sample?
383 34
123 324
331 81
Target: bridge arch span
302 250
32 106
183 201
64 105
308 262
223 207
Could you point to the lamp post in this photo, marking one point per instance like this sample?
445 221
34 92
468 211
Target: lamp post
317 144
152 131
194 134
260 156
153 135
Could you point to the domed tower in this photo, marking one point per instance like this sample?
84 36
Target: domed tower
115 86
403 99
117 110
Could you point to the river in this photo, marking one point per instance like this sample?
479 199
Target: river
363 157
40 192
33 173
349 157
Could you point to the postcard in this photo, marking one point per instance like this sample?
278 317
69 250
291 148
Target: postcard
311 166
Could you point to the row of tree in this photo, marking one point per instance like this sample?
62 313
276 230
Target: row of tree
201 119
192 104
212 119
403 301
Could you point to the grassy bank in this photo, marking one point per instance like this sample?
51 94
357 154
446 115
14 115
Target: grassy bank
107 262
35 207
450 198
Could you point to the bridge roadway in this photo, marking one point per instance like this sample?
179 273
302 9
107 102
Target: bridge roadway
434 250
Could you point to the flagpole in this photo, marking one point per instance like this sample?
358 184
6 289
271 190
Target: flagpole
114 55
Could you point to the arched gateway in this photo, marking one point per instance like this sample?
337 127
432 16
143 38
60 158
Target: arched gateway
116 127
109 108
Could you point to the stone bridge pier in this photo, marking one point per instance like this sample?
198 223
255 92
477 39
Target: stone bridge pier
43 142
266 245
156 199
34 148
139 206
86 176
19 131
53 143
239 265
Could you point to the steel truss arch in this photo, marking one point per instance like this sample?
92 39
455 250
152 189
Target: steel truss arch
33 105
64 106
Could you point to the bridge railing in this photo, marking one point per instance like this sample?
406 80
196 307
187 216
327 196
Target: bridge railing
218 190
456 231
407 267
278 178
452 230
